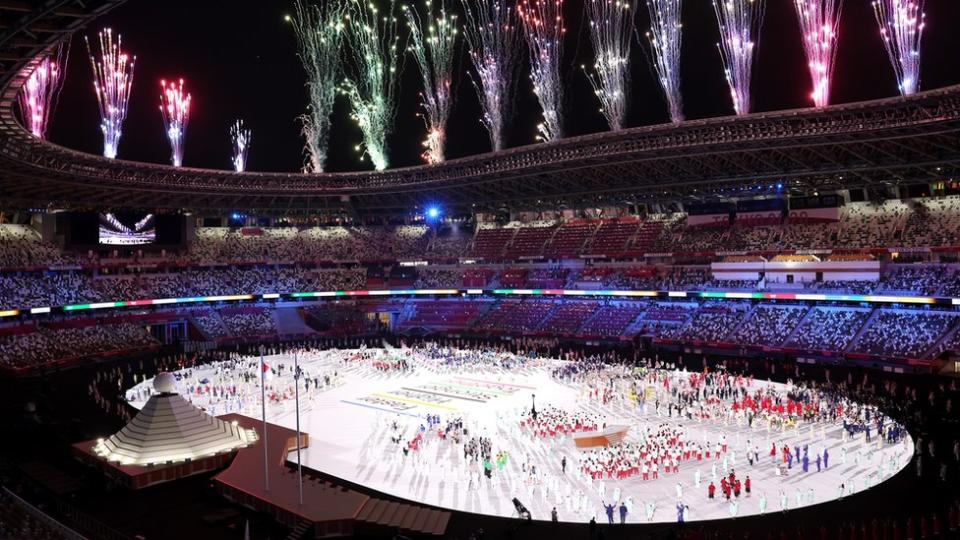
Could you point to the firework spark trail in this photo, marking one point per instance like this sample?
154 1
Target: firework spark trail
319 32
819 23
112 81
372 87
175 108
493 42
433 46
901 27
611 27
240 136
740 22
38 96
544 29
665 36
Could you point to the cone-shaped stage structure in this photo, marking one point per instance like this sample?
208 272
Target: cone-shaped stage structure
170 429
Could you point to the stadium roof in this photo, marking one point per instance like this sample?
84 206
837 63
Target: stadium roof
873 144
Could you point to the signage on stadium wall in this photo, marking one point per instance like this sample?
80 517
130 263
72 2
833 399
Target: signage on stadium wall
815 215
731 253
908 250
708 220
758 218
813 252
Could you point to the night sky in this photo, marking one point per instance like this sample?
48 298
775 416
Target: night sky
239 60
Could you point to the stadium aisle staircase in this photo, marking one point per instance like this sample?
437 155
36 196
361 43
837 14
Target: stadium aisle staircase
409 517
799 326
298 532
947 336
855 340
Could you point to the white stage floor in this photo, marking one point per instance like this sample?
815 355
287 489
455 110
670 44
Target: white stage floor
349 423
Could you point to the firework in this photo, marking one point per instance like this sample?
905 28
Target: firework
543 29
240 136
819 23
433 46
175 108
493 42
740 22
38 96
611 26
372 87
112 81
319 32
901 26
666 32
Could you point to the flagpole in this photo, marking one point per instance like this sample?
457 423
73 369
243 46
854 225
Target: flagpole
296 385
263 413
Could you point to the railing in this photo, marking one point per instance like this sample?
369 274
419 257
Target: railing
43 517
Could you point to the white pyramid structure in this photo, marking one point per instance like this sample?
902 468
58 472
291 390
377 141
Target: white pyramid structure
170 429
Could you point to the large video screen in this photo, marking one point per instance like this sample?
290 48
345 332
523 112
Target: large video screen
116 230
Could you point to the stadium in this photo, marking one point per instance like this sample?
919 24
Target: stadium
479 269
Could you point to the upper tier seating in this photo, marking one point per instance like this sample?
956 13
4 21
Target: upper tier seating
570 239
529 242
613 237
489 244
